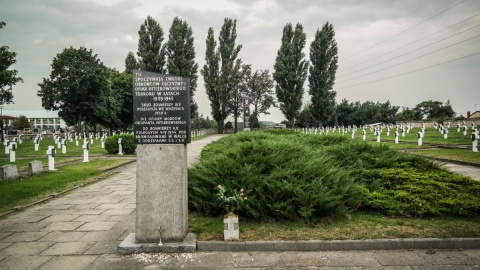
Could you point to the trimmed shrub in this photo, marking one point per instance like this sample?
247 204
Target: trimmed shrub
289 175
128 147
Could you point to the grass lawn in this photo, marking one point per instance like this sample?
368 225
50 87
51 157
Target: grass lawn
358 225
431 136
451 154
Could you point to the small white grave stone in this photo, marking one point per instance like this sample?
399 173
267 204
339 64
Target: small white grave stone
475 138
51 157
13 148
64 146
396 136
120 150
420 137
85 147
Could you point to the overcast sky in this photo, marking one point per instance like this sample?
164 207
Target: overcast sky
404 51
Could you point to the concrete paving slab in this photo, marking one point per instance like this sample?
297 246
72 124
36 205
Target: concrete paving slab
111 235
62 236
4 245
104 247
207 260
118 212
97 226
352 258
112 206
4 235
257 259
86 206
60 218
440 257
63 226
304 259
69 262
91 218
24 262
24 237
399 258
473 253
69 248
116 262
123 218
25 217
26 248
26 227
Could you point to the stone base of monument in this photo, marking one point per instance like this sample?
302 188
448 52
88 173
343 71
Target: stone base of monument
129 246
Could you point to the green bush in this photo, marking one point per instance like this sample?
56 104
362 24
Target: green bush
289 175
282 178
228 125
128 146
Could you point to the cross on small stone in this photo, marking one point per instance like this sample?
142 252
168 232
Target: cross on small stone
160 229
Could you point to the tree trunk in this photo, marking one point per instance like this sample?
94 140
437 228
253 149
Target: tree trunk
78 127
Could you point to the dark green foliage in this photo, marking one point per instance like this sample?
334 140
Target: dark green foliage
284 176
323 68
128 146
122 90
228 125
288 175
368 112
434 110
78 88
290 71
151 53
8 77
181 57
130 63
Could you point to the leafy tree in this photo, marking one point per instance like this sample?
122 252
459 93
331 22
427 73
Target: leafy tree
324 63
8 77
241 73
305 118
210 73
78 88
260 92
130 63
21 123
290 71
254 123
345 113
365 113
181 57
220 70
151 54
406 114
122 89
434 110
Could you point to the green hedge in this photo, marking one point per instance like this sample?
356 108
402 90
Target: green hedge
128 147
289 175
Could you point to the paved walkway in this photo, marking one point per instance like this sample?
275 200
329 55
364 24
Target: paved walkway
82 230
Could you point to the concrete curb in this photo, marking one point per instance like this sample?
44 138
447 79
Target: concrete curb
341 245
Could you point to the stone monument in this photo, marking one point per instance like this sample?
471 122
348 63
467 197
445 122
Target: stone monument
161 105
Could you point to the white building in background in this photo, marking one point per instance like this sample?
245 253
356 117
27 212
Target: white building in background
42 119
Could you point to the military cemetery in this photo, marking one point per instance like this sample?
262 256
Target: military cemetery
295 136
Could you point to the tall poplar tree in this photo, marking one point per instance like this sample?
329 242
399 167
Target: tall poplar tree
324 64
181 57
210 73
290 71
220 80
130 63
151 53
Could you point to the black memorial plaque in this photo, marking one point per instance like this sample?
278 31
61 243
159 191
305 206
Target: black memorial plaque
161 108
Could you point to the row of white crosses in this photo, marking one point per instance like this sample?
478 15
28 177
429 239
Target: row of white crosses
198 132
